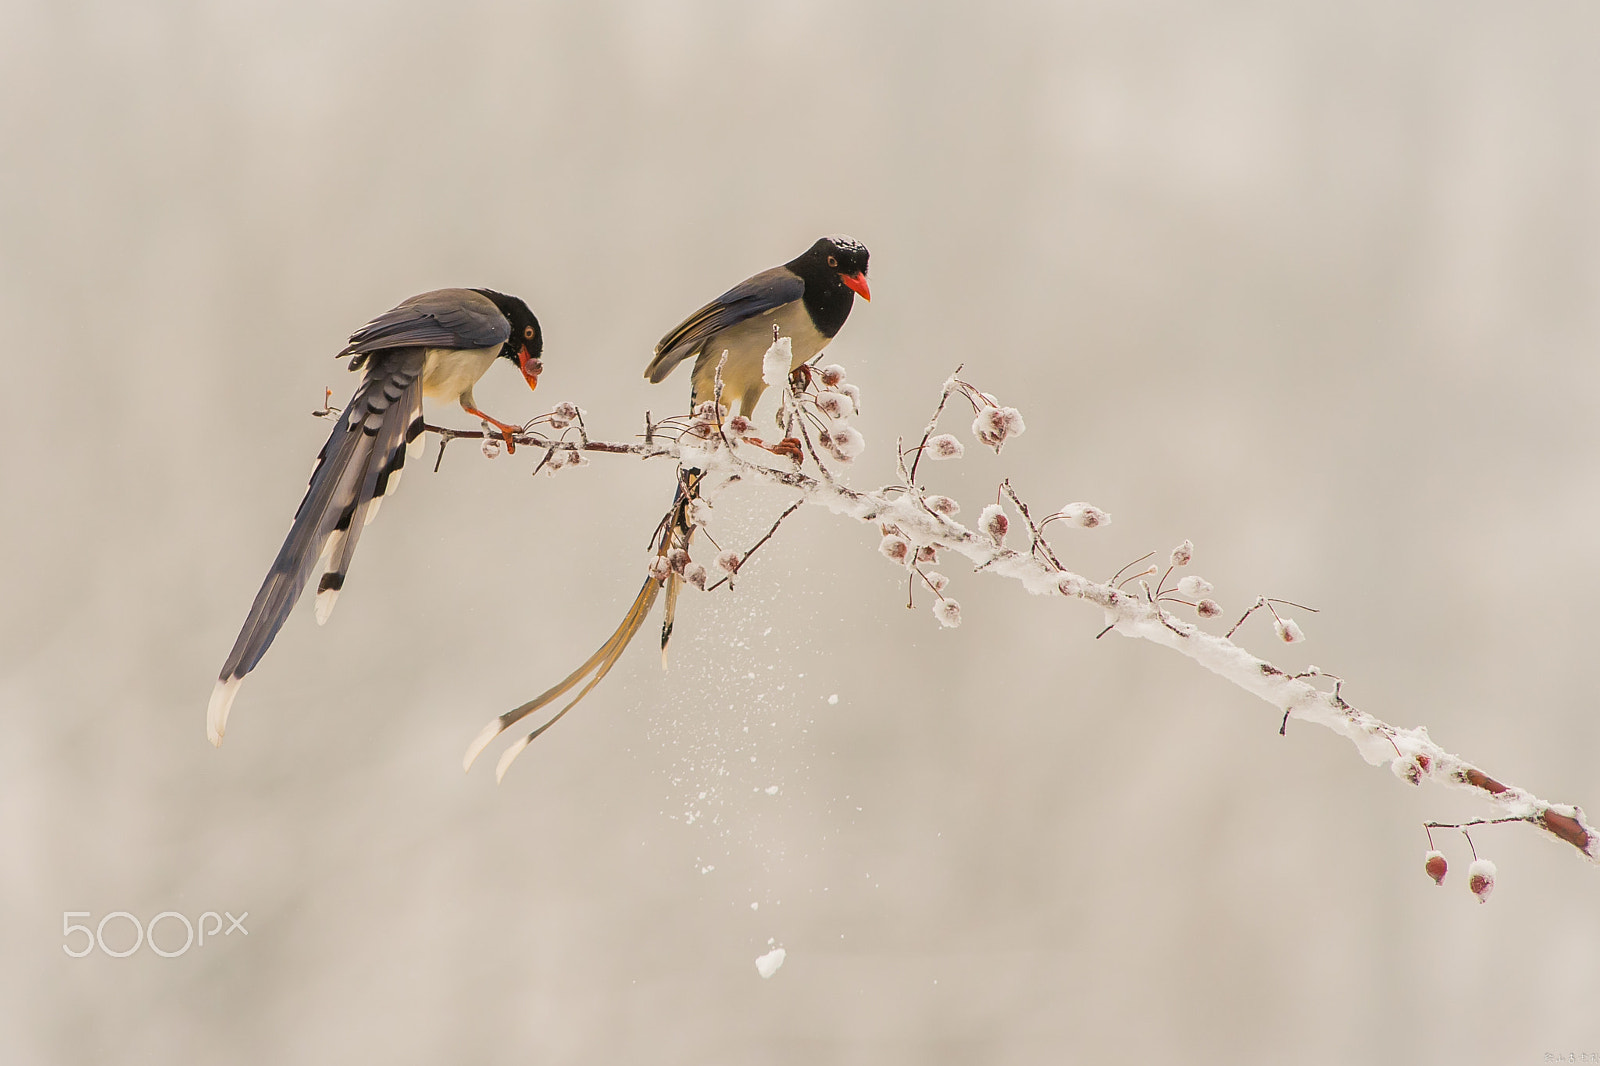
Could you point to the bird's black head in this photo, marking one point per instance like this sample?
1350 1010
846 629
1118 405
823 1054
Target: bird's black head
835 262
835 273
526 343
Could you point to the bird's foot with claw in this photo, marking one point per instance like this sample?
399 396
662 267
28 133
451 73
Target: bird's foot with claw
788 446
508 432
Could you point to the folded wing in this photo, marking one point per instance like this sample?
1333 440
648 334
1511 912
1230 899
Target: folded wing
765 292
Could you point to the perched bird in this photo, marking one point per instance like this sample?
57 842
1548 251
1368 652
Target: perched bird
808 300
433 346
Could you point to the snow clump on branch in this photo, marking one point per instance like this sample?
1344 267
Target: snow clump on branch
1287 630
836 405
775 364
1480 879
844 443
1082 514
994 523
996 425
564 414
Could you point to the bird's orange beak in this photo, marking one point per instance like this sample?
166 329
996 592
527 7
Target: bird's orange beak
858 282
530 367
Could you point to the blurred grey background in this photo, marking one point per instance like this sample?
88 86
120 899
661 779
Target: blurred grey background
1312 284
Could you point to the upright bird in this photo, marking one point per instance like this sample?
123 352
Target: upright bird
435 346
807 299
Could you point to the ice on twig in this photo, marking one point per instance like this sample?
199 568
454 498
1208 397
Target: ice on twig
832 375
1480 879
1407 769
659 567
948 612
1208 608
1182 554
944 446
564 414
776 363
844 443
1287 630
491 447
936 580
1083 514
695 574
894 548
996 425
994 523
942 505
728 561
1194 586
677 558
836 405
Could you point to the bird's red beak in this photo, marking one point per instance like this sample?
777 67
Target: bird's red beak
530 367
858 282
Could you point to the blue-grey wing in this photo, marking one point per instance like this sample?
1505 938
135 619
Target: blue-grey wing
764 292
443 318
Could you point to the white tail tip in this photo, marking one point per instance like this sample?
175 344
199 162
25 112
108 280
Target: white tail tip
325 601
511 753
217 713
475 749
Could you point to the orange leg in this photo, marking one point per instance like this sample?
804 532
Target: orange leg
506 430
788 446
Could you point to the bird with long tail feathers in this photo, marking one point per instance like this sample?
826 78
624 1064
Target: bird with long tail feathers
807 301
434 346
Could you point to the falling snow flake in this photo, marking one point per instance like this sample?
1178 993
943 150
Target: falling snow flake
768 964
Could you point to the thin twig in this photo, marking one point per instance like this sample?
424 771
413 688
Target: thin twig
1038 536
791 509
944 398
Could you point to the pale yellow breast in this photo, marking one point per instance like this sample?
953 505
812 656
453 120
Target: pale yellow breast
449 373
746 345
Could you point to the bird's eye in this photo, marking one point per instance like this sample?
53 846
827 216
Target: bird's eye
832 261
527 332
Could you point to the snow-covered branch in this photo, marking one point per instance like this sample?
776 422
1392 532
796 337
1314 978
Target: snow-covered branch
917 527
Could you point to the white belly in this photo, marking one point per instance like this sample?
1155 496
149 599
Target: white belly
449 373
